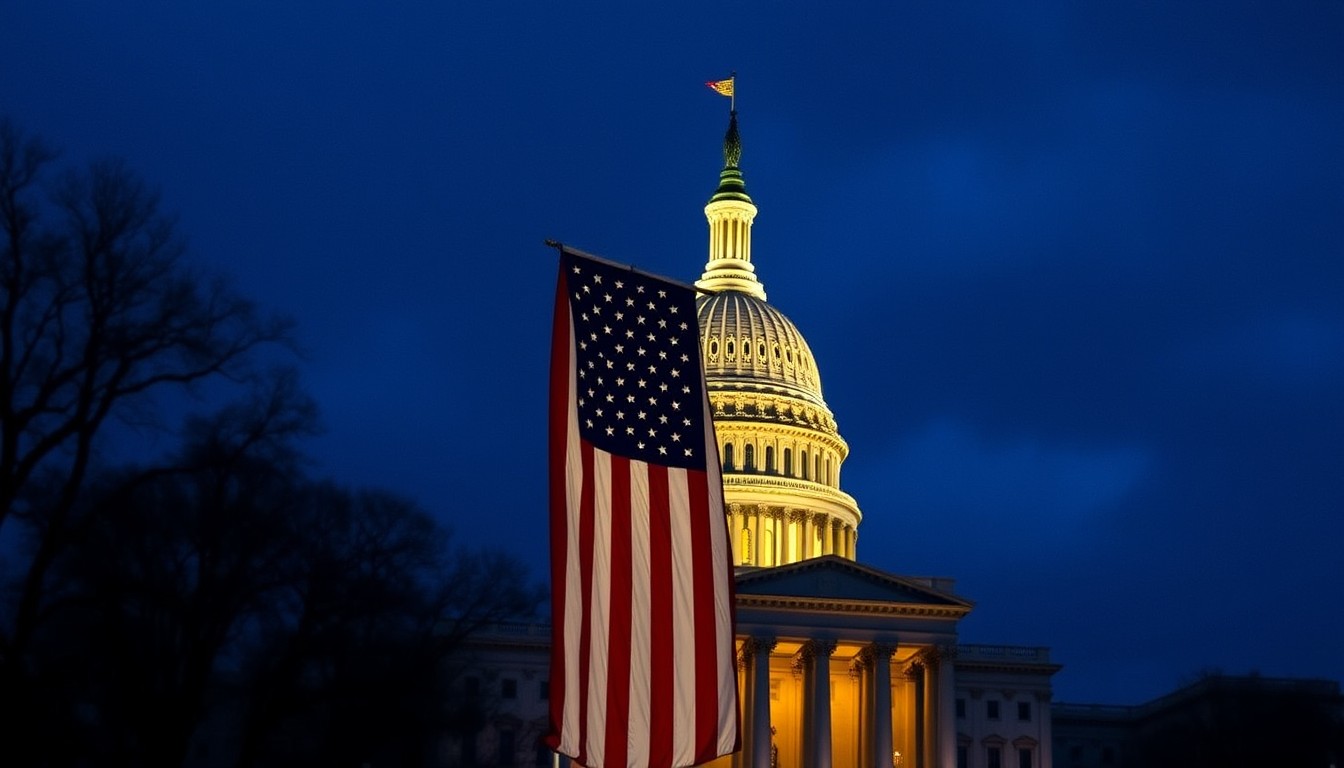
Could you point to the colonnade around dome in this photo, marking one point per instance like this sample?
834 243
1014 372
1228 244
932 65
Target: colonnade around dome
766 535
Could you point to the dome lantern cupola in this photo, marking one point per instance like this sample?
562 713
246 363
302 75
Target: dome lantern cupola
730 213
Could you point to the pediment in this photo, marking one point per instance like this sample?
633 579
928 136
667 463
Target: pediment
840 580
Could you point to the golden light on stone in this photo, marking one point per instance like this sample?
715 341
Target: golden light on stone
780 447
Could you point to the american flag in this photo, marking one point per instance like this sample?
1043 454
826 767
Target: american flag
642 664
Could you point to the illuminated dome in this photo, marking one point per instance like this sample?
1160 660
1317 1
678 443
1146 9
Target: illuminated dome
779 444
746 342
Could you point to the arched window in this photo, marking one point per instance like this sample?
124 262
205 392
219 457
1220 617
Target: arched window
749 458
769 458
804 463
788 462
816 471
727 457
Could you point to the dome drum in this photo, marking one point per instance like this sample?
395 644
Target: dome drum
787 454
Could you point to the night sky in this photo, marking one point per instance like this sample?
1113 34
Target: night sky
1072 272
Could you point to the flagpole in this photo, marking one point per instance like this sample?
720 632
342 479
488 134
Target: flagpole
732 100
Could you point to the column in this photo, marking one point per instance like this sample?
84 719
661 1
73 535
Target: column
878 656
1044 728
756 538
756 745
796 518
735 531
781 523
947 705
808 536
916 674
816 658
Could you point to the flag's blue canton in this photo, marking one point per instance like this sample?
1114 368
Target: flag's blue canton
638 364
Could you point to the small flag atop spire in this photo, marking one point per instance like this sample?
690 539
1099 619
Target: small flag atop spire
722 87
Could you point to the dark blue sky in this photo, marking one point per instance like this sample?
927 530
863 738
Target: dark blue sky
1073 275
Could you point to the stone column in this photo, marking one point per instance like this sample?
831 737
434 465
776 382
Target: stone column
796 520
735 531
915 672
756 537
815 657
808 536
1044 728
878 659
756 658
946 722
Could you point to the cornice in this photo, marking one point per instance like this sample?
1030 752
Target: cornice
771 408
786 488
1008 666
862 607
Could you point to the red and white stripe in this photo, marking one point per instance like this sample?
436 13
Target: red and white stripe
642 665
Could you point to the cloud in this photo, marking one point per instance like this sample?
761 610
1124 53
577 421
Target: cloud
991 492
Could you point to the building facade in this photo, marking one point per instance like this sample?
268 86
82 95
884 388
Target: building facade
840 664
1217 720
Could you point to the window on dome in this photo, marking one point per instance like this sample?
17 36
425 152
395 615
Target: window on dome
769 458
728 349
760 349
749 458
804 463
746 349
788 355
727 457
788 462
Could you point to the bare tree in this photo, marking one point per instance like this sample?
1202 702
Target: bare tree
98 311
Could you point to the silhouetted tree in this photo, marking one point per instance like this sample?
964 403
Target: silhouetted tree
225 596
98 311
363 657
219 595
167 570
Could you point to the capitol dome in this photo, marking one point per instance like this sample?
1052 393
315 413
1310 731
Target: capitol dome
780 447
